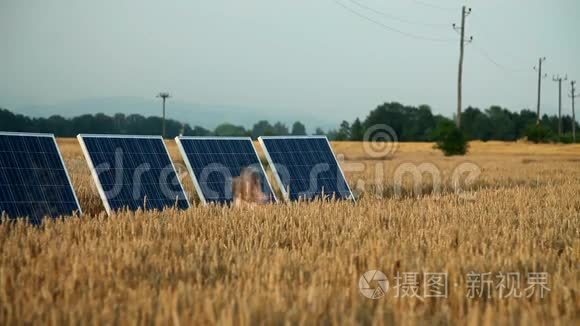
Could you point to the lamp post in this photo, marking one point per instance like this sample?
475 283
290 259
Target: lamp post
164 96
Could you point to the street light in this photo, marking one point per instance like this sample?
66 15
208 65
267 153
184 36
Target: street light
164 96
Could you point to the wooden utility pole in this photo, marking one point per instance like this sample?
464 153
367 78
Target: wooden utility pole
559 80
573 95
164 96
540 76
464 13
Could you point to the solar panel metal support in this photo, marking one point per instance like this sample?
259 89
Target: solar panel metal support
174 169
190 170
340 169
285 192
67 174
94 174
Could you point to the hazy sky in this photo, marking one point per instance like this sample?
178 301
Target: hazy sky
280 55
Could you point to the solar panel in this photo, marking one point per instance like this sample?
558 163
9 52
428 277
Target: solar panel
133 172
34 182
214 162
306 167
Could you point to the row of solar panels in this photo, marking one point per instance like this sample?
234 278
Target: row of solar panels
133 172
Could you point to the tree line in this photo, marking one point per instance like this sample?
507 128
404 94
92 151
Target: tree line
135 124
420 124
410 124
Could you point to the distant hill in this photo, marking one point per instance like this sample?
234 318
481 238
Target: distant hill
208 116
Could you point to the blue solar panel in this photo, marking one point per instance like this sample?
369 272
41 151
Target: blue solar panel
306 167
133 172
214 161
34 182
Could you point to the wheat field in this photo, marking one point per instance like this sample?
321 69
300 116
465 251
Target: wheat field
301 263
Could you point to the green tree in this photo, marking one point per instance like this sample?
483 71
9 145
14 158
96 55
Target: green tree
356 130
298 129
55 122
332 134
421 123
262 128
538 133
476 124
450 139
198 131
343 132
503 125
228 129
391 114
523 120
280 129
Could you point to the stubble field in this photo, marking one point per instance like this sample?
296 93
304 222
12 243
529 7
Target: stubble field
301 263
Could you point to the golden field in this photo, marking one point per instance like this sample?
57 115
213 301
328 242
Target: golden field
300 263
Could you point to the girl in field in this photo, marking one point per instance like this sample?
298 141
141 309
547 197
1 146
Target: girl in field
247 189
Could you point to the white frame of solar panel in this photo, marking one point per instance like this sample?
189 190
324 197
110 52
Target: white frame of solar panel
100 189
194 177
277 175
31 134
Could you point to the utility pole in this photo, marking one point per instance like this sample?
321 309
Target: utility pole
461 29
539 70
164 96
573 95
559 80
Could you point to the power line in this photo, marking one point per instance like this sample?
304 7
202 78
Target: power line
430 5
485 54
389 28
395 18
500 66
483 26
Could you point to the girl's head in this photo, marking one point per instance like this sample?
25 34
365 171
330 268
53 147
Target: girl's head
248 187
